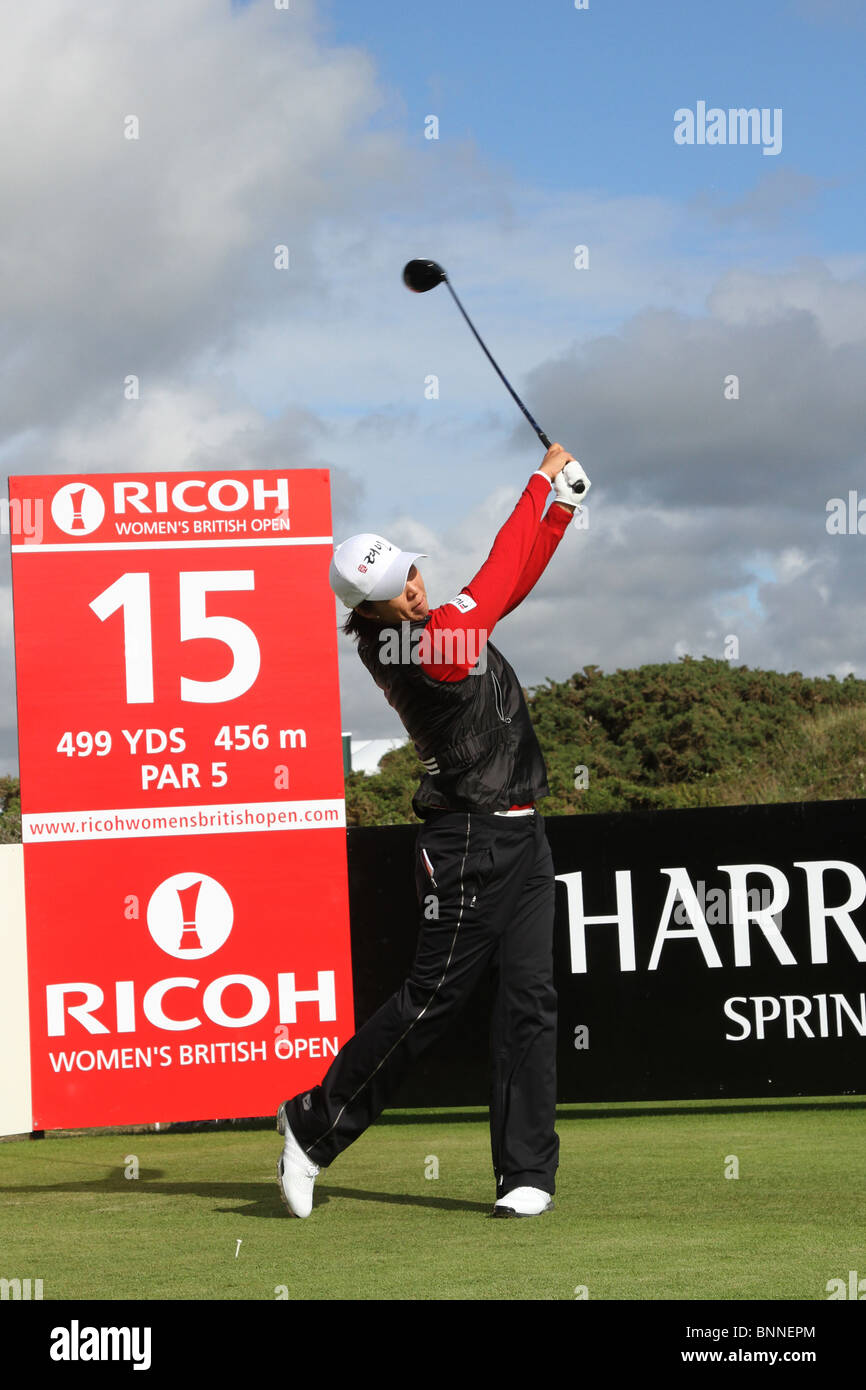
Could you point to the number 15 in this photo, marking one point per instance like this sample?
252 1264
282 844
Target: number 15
131 592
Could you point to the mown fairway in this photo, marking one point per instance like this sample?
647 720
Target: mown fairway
643 1211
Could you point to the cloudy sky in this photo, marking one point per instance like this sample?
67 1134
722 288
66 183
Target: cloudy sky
555 128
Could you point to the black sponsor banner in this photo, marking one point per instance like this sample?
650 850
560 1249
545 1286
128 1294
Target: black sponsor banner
698 954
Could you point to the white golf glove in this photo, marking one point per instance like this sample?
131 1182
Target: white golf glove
571 485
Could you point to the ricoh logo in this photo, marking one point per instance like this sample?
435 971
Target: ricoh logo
91 1010
77 509
189 916
195 495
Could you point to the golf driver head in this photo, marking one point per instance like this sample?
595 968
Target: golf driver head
421 276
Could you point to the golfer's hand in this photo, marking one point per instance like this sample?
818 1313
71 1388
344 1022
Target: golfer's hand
571 485
554 461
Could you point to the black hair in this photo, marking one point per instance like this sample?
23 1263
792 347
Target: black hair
359 626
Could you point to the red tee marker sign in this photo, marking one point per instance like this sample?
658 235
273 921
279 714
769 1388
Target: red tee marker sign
182 794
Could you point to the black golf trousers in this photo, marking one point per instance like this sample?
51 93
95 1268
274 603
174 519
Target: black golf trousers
486 898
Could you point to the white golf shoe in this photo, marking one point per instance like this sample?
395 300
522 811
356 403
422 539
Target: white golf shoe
523 1201
296 1173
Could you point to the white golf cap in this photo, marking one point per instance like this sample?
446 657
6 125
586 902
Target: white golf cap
367 567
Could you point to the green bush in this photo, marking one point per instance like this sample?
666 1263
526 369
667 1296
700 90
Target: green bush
697 732
10 811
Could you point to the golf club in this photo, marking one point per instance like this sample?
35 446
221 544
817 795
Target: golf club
421 276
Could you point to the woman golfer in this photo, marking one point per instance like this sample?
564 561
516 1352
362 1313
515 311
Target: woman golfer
484 872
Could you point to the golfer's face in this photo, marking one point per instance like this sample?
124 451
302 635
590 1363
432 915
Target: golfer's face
408 606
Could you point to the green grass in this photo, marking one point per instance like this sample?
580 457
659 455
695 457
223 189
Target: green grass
643 1211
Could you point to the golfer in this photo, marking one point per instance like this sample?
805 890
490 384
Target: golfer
484 872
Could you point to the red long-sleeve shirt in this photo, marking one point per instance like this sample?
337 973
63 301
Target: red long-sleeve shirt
457 631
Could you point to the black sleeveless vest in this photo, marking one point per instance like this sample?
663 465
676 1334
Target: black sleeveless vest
473 736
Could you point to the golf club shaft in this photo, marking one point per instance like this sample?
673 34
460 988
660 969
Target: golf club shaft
503 378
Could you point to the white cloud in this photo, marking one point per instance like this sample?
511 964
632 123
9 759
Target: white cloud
155 257
837 304
132 255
